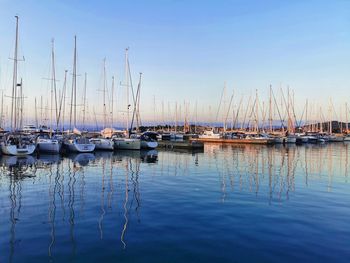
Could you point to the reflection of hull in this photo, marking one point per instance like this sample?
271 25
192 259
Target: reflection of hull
11 161
149 144
49 158
49 146
104 154
127 144
82 158
16 151
103 144
150 156
80 147
128 153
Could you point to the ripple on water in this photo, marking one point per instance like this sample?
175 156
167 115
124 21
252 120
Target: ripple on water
228 204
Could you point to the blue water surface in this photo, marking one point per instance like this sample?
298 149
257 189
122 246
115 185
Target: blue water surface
225 204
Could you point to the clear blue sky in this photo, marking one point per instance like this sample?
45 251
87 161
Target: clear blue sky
186 49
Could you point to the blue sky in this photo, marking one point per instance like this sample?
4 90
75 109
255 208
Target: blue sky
185 49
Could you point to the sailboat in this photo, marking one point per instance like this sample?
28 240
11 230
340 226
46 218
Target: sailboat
17 143
47 142
74 141
103 143
124 140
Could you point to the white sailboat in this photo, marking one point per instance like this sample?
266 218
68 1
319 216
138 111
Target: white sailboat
16 143
127 143
101 142
47 143
149 140
209 134
74 141
78 144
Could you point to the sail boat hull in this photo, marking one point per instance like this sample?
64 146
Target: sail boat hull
149 144
80 147
49 146
103 144
17 151
127 144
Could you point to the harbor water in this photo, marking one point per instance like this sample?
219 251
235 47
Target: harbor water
245 203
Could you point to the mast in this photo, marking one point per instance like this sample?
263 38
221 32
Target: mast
196 119
175 117
112 102
134 114
270 109
104 94
20 104
127 90
54 84
84 99
346 117
154 113
36 113
163 121
2 110
14 83
73 115
306 117
257 111
330 116
63 99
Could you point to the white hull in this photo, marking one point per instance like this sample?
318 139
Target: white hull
336 138
15 151
80 147
214 136
347 139
103 144
149 144
127 144
49 146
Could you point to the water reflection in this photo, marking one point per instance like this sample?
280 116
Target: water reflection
82 159
89 193
18 167
249 166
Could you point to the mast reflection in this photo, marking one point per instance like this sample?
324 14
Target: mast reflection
110 184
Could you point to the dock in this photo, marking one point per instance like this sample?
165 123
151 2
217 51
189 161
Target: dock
233 141
191 145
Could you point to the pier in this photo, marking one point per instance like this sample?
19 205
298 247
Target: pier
233 141
190 145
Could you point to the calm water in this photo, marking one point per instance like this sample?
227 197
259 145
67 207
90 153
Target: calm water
226 204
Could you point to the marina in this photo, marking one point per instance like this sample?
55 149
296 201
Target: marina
174 131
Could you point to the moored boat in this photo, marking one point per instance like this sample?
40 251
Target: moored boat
102 144
149 140
18 145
